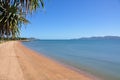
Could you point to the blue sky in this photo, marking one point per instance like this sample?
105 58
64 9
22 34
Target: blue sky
66 19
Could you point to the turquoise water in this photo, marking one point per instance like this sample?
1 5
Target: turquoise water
100 58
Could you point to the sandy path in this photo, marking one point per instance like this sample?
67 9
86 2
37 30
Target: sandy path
9 66
20 63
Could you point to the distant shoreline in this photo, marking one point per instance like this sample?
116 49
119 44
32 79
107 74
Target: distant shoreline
24 40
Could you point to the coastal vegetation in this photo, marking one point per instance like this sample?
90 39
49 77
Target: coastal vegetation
18 38
13 15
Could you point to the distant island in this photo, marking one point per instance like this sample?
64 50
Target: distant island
98 38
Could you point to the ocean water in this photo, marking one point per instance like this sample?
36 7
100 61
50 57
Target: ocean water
101 58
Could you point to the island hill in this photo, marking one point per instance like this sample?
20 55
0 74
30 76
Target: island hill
99 38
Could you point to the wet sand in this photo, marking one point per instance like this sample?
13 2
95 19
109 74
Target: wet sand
20 63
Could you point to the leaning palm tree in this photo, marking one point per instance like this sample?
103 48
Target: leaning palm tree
10 20
29 5
26 6
12 15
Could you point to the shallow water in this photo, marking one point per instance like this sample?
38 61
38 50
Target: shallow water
100 58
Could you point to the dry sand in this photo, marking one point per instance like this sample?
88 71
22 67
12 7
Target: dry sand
20 63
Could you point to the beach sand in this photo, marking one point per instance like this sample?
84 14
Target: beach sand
20 63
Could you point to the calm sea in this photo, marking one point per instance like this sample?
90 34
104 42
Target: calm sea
100 58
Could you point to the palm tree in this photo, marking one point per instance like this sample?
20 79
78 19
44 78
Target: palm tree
30 5
26 6
13 15
10 20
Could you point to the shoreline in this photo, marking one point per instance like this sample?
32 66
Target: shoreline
26 64
80 71
85 73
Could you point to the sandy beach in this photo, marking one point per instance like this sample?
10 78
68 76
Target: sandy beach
20 63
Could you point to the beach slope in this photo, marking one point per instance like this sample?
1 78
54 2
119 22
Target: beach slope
20 63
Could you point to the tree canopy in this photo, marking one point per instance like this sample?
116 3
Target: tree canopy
13 14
